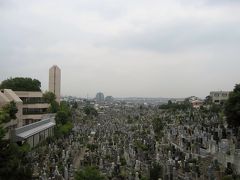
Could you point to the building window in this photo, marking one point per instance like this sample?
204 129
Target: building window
27 111
32 100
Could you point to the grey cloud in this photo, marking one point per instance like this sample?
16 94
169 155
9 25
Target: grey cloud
178 37
124 48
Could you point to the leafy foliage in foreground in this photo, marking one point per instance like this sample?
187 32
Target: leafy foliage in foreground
7 113
89 173
232 107
14 162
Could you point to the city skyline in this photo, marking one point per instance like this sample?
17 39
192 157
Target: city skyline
124 49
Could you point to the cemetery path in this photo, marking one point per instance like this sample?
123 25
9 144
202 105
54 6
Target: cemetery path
77 160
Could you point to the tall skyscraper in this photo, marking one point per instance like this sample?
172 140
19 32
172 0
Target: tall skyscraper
55 81
100 98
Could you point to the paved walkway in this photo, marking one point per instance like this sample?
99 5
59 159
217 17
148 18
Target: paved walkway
78 158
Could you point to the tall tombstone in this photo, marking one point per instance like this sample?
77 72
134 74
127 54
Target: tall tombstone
157 158
137 165
112 168
65 173
118 160
63 154
136 176
101 163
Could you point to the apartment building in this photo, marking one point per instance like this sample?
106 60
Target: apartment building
219 97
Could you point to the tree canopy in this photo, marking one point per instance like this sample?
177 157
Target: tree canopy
175 106
89 110
21 84
14 163
232 107
63 119
156 172
158 126
89 173
49 97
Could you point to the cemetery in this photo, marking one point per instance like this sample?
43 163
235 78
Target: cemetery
142 142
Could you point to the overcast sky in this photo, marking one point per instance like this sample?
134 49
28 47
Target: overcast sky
123 48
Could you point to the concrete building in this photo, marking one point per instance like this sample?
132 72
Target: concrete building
6 96
218 97
100 98
55 81
34 107
31 108
36 132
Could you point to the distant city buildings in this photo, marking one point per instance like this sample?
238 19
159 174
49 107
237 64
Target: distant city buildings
219 97
109 99
55 81
100 98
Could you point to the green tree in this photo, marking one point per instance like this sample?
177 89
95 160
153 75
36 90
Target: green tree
11 109
215 108
63 120
64 106
158 126
65 129
90 111
61 117
232 107
54 107
13 160
156 172
75 105
7 113
49 97
14 163
208 100
89 173
169 102
21 84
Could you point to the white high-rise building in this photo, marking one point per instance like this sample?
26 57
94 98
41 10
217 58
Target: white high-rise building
100 98
55 81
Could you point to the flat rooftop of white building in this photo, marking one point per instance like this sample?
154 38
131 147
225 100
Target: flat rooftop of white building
34 128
